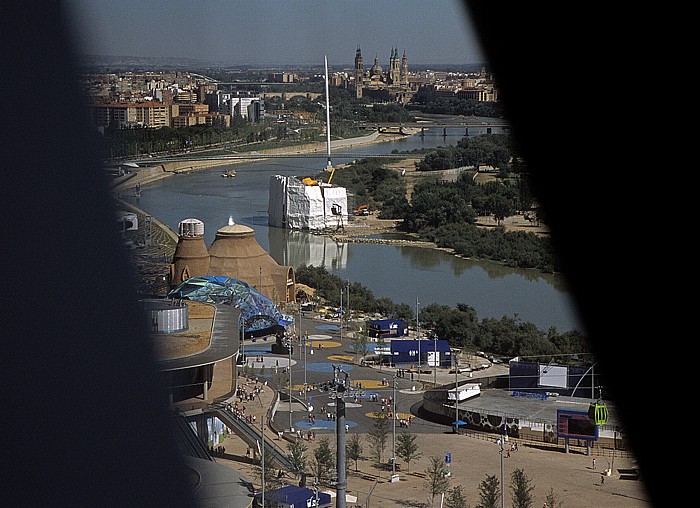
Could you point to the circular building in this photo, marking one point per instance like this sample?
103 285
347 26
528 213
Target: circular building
236 253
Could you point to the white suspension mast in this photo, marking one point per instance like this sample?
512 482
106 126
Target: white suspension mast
328 116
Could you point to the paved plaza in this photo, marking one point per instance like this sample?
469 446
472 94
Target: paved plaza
572 477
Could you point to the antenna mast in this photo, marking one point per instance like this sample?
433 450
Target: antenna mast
328 119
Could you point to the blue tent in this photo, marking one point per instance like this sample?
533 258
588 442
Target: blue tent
261 316
292 496
387 328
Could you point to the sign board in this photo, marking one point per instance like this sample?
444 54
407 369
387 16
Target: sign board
576 425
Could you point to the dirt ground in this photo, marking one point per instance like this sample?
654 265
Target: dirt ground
573 478
193 340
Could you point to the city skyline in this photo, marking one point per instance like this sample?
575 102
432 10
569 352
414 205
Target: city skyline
274 33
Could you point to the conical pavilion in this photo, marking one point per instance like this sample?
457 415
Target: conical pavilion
236 253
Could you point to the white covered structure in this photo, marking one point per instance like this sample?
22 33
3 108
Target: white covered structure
464 392
295 204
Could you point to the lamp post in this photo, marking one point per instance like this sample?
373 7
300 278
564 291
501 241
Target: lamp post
305 400
341 385
418 337
503 499
245 361
289 374
262 458
435 359
454 362
393 445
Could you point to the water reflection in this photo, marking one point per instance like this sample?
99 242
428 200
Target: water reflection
296 248
400 273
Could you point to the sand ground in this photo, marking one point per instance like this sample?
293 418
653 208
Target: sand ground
571 477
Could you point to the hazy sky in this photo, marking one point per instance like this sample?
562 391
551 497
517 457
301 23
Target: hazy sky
274 32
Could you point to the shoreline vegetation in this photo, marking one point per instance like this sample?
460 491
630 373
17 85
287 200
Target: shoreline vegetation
363 229
366 229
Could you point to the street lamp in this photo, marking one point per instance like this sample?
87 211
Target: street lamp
289 374
393 446
499 442
418 337
435 359
305 391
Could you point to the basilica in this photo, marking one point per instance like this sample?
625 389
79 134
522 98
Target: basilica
392 85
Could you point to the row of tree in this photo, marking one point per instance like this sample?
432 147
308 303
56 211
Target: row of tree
460 326
431 102
134 141
321 466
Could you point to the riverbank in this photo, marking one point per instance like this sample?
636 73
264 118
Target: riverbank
147 174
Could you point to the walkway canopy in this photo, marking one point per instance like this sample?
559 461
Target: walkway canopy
260 315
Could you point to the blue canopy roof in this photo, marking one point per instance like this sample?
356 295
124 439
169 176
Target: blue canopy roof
258 312
297 497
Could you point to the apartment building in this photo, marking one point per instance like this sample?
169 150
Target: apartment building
125 114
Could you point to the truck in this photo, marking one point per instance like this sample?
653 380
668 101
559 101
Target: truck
361 210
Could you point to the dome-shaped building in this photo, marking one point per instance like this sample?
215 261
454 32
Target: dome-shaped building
191 257
234 253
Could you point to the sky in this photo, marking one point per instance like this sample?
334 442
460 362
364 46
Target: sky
277 32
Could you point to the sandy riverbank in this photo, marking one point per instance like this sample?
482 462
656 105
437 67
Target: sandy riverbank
148 174
360 227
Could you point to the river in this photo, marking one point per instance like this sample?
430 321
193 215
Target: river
400 273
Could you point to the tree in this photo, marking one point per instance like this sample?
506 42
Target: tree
521 489
353 450
378 437
359 343
269 469
296 453
489 492
553 500
407 448
323 460
437 481
455 498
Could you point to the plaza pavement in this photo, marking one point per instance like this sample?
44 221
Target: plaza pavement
571 477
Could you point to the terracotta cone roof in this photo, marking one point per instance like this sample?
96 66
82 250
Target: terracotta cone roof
191 259
235 253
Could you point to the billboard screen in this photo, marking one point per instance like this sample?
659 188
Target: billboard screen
576 425
554 376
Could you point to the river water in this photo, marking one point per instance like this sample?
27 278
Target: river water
400 273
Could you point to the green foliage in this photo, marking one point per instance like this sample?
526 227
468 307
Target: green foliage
362 299
296 454
145 140
269 468
373 184
521 489
436 482
507 336
407 448
489 492
553 500
445 212
455 498
485 150
353 449
359 342
323 460
456 105
378 437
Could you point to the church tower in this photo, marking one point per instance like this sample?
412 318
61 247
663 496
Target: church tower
359 73
404 70
394 70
